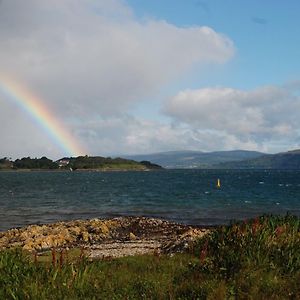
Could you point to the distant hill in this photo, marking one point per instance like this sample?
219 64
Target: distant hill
195 159
236 159
286 160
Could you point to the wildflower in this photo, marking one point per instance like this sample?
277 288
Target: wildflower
61 259
279 230
203 253
53 257
255 225
35 257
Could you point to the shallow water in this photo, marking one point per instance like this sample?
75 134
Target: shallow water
186 196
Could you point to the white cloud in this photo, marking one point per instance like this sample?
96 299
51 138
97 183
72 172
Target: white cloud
258 117
130 135
88 55
87 59
92 61
137 135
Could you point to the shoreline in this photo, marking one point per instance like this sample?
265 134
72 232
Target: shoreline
157 259
200 226
114 237
79 170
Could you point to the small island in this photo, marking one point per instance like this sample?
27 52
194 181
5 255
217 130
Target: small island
80 163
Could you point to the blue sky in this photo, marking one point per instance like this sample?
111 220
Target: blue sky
133 76
265 34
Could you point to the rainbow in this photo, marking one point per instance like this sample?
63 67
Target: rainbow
40 113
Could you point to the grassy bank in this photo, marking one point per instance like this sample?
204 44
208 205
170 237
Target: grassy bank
258 259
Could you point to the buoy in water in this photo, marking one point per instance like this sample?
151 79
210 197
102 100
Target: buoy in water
218 183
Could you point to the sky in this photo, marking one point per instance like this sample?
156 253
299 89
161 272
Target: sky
115 77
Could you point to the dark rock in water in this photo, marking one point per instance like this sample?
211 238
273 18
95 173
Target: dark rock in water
113 237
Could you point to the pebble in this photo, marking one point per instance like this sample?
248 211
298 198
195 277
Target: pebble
130 235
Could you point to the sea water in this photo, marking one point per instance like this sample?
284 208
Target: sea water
186 196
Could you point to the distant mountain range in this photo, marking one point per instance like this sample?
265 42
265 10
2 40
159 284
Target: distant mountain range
197 159
237 159
286 160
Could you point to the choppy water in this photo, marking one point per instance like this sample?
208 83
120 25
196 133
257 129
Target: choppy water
187 196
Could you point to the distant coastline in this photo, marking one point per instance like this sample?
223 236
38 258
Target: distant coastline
233 159
80 163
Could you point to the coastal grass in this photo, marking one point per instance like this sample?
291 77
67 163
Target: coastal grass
255 259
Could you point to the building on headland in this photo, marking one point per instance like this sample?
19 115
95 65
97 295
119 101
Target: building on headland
63 162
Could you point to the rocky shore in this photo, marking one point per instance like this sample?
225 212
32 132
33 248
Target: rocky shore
105 237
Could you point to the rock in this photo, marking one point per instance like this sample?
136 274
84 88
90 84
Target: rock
132 237
185 241
3 241
75 230
85 236
29 246
25 235
170 237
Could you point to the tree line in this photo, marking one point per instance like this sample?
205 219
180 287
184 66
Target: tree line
80 162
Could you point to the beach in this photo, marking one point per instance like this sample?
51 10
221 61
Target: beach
101 238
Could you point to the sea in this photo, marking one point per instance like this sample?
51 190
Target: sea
184 196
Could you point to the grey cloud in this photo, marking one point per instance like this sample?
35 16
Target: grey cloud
260 116
81 57
136 135
20 136
89 59
293 86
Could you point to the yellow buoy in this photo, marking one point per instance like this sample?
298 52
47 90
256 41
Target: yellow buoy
218 183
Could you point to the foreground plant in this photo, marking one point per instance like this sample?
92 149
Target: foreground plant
256 256
257 259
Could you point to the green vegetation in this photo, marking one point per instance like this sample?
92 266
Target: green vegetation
258 259
75 163
150 165
238 159
35 163
42 163
106 163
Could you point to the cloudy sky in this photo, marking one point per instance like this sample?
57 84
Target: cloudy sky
132 76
